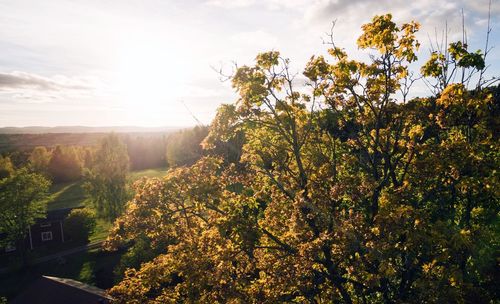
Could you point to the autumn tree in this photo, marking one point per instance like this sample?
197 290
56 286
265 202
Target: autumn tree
106 181
348 191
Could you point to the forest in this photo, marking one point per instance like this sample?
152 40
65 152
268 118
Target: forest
351 187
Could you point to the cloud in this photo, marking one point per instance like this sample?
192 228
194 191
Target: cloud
257 38
30 88
430 13
22 80
230 3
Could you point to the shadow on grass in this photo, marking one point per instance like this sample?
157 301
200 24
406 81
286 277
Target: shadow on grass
67 196
94 267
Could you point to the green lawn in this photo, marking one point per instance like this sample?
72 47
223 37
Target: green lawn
70 195
101 230
157 172
67 195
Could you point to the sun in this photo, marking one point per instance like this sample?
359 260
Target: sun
149 78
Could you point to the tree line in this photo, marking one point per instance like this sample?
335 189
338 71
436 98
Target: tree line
67 163
103 169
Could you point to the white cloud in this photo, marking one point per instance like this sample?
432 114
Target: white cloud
230 3
257 38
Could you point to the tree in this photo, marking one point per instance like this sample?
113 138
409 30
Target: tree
39 160
184 147
80 224
6 167
65 165
146 151
106 181
349 191
22 201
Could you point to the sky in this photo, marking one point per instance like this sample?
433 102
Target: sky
154 63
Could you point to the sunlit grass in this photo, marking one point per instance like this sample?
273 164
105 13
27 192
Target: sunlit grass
101 230
67 195
157 172
72 195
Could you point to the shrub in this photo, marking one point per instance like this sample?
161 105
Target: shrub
80 224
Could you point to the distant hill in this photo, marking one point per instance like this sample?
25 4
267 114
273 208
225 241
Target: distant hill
81 129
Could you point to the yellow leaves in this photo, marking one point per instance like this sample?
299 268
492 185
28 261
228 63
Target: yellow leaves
370 244
383 35
465 232
427 267
434 66
316 68
268 59
452 94
353 185
337 53
380 34
416 132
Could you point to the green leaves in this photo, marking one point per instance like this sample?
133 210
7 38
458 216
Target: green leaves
106 182
22 201
463 58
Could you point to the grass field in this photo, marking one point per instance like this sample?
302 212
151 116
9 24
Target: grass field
71 195
158 172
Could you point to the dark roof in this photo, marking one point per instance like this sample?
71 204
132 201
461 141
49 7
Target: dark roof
60 291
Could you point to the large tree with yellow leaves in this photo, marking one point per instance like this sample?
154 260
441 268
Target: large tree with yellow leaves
346 191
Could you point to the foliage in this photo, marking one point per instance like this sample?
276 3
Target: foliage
22 201
183 147
80 224
6 167
65 164
39 160
106 181
146 151
140 252
347 192
225 139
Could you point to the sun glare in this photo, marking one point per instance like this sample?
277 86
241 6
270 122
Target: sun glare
149 78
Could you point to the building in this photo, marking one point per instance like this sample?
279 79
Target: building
53 290
46 232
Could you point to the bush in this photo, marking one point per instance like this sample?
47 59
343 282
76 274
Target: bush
80 224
